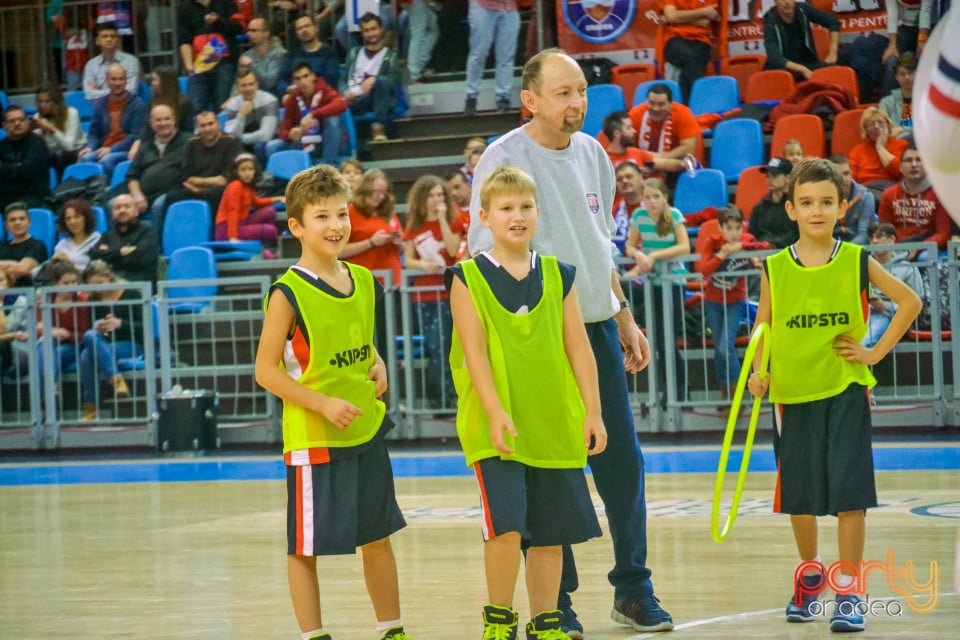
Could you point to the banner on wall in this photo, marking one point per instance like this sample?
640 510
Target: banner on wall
625 31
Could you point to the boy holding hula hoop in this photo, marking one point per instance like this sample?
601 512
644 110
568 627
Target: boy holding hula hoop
814 294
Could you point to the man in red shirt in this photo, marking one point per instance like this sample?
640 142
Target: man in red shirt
688 27
618 128
311 117
664 127
912 207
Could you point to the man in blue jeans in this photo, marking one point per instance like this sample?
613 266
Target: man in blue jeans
575 189
492 21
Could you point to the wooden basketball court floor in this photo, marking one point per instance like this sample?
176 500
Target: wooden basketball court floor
187 548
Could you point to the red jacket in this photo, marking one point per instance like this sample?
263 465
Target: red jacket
710 263
324 102
916 217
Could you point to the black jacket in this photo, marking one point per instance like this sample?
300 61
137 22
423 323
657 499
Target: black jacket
776 35
24 170
141 264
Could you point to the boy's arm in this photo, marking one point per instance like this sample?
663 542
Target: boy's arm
469 329
908 307
277 325
580 354
759 386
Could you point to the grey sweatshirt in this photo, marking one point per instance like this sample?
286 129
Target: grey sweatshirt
575 193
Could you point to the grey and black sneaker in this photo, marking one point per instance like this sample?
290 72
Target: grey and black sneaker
643 613
503 104
470 106
569 623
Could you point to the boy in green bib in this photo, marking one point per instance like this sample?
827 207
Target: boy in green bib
814 296
316 353
519 332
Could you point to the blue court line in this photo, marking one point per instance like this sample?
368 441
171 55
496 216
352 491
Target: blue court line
414 466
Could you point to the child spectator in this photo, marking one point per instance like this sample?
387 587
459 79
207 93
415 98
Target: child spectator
243 215
725 296
658 233
528 456
793 151
471 156
819 376
882 308
861 206
432 240
352 171
339 481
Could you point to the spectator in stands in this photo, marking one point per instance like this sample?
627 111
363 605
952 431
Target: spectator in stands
376 238
15 321
899 104
207 163
793 151
875 162
59 126
252 114
908 25
352 171
130 247
492 22
657 234
630 178
861 206
688 31
79 235
311 117
95 85
207 41
913 207
424 31
118 119
882 308
165 89
24 162
321 58
242 214
158 167
264 57
618 128
117 334
768 220
459 188
725 296
471 156
788 37
23 253
372 78
665 128
431 242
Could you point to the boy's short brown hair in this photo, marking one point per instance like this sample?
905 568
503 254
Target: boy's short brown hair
730 213
312 185
814 170
506 179
884 229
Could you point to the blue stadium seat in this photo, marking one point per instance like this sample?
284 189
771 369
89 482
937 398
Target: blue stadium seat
78 101
602 99
737 145
226 251
4 103
191 263
640 94
186 224
82 170
184 83
288 163
350 129
53 175
714 94
120 173
43 227
707 189
101 216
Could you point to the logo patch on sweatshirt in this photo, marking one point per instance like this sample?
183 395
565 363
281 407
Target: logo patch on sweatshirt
593 203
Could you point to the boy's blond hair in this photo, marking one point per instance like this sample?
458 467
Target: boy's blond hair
814 170
506 179
312 185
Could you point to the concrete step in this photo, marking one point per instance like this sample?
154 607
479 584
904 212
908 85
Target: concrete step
485 123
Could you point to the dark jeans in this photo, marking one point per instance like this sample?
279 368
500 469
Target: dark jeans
691 58
381 100
207 91
436 326
618 475
724 322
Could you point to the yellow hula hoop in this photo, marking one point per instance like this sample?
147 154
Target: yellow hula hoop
761 330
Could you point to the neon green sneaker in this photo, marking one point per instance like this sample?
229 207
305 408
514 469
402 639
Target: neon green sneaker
546 626
499 623
395 633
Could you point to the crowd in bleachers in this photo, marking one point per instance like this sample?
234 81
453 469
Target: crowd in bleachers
253 100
